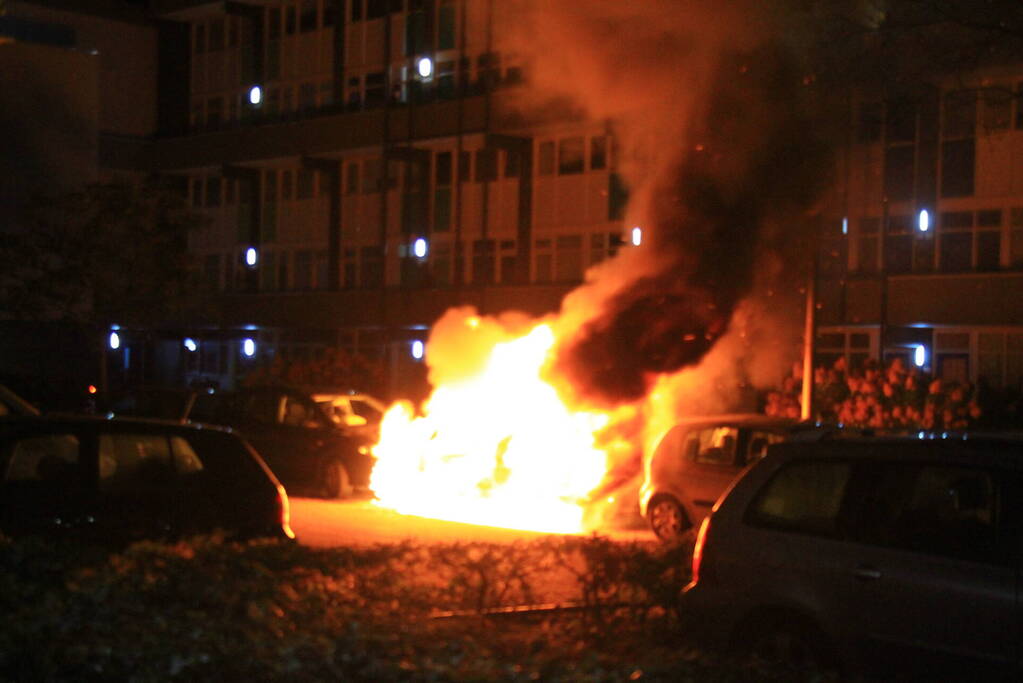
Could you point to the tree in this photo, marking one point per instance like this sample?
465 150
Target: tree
111 253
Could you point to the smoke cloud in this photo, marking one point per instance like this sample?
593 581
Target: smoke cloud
716 148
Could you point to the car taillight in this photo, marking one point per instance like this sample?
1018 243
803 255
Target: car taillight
701 537
284 511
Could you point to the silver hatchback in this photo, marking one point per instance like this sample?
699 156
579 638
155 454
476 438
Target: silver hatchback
695 461
878 556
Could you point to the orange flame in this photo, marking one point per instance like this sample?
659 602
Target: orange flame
498 447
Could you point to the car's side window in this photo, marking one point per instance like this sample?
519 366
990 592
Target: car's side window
299 413
186 461
132 462
48 458
756 445
713 446
803 496
939 509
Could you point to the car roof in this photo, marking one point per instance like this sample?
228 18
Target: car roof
739 420
1005 450
110 424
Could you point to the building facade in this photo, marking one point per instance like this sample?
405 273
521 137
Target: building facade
363 168
922 254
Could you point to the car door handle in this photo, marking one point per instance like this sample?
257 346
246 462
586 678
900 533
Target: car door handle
867 574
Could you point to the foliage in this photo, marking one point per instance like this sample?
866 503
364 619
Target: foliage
880 398
336 368
110 253
210 610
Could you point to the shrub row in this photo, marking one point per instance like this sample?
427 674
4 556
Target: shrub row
212 610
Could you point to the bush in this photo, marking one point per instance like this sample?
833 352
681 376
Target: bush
210 610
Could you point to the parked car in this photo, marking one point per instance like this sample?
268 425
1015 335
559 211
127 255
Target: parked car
697 459
303 440
13 404
121 480
873 557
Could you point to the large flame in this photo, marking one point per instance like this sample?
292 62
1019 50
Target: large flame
498 448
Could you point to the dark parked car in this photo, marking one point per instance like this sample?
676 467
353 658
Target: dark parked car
304 442
121 480
881 557
12 404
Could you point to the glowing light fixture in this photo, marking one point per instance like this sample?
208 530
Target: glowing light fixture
249 347
255 96
923 220
920 356
418 349
637 236
845 225
420 247
425 67
115 340
92 389
190 344
251 257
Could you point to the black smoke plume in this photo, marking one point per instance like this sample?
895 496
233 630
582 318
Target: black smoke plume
753 156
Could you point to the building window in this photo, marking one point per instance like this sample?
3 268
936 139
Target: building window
997 112
870 122
440 263
376 92
483 264
464 167
307 18
306 185
216 35
356 9
958 147
307 97
290 19
446 26
376 8
486 165
898 244
988 242
197 192
956 240
304 269
544 261
546 158
1016 237
199 35
372 267
571 157
214 112
372 175
1000 359
286 185
509 261
213 191
868 230
351 178
568 258
598 153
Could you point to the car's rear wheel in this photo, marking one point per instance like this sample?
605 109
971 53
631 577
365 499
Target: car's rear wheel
668 520
337 483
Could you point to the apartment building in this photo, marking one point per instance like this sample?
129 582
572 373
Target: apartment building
363 167
363 170
922 254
